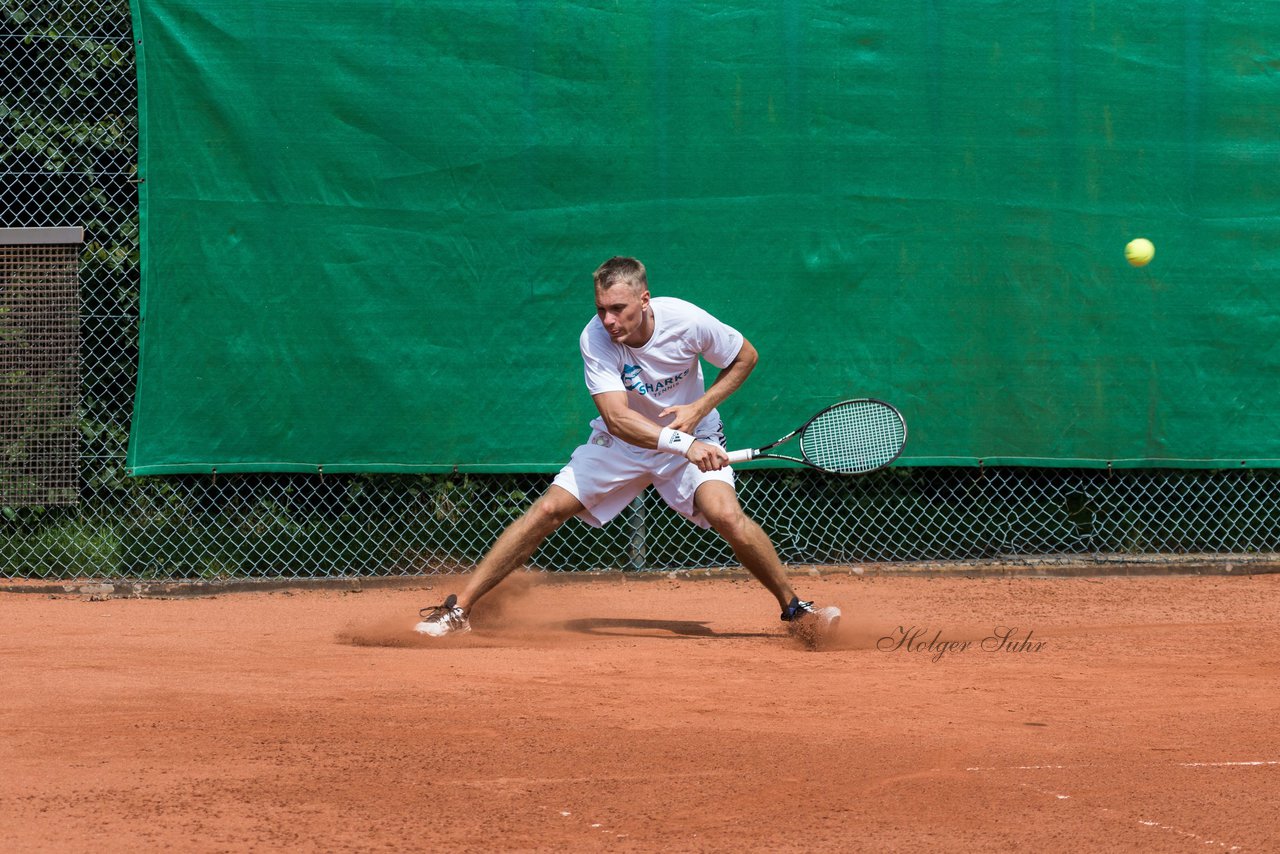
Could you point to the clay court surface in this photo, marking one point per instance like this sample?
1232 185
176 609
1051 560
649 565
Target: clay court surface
649 714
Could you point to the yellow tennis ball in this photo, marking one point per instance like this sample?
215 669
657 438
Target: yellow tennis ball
1139 252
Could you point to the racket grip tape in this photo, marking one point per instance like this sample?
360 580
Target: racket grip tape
745 455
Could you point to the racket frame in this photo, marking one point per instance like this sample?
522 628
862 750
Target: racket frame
759 453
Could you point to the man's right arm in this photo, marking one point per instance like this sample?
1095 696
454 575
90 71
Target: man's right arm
624 422
633 428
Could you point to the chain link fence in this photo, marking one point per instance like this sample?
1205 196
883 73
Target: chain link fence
39 359
68 152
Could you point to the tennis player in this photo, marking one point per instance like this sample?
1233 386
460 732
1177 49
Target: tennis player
658 425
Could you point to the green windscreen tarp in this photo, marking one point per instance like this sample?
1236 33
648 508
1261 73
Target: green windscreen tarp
368 228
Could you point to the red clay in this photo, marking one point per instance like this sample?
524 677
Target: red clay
649 715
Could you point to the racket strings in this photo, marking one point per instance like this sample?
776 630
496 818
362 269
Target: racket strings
854 437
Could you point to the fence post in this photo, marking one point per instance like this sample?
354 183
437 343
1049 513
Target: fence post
636 550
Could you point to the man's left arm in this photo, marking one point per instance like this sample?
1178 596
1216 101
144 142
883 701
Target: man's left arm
729 380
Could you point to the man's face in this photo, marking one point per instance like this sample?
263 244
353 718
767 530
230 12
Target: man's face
624 313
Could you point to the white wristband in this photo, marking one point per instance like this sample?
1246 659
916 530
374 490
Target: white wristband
674 442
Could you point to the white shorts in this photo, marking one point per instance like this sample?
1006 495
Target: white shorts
606 475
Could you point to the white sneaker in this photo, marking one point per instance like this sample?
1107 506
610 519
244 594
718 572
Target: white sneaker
442 620
811 626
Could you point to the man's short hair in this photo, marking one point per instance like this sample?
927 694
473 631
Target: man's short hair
620 270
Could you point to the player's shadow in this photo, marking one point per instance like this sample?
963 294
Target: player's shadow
627 627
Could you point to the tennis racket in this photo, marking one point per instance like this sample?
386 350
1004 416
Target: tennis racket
849 437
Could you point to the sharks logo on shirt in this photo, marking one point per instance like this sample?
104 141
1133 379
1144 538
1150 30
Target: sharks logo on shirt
631 382
631 378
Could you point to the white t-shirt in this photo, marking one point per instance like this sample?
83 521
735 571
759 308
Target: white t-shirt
665 371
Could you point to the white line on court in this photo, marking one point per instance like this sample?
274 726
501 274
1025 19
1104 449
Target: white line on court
1141 821
1188 834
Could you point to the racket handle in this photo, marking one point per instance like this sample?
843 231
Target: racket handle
745 455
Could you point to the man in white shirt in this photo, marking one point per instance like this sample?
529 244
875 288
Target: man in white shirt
657 425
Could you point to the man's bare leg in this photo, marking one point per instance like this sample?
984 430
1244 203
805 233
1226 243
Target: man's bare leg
751 545
518 542
719 503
